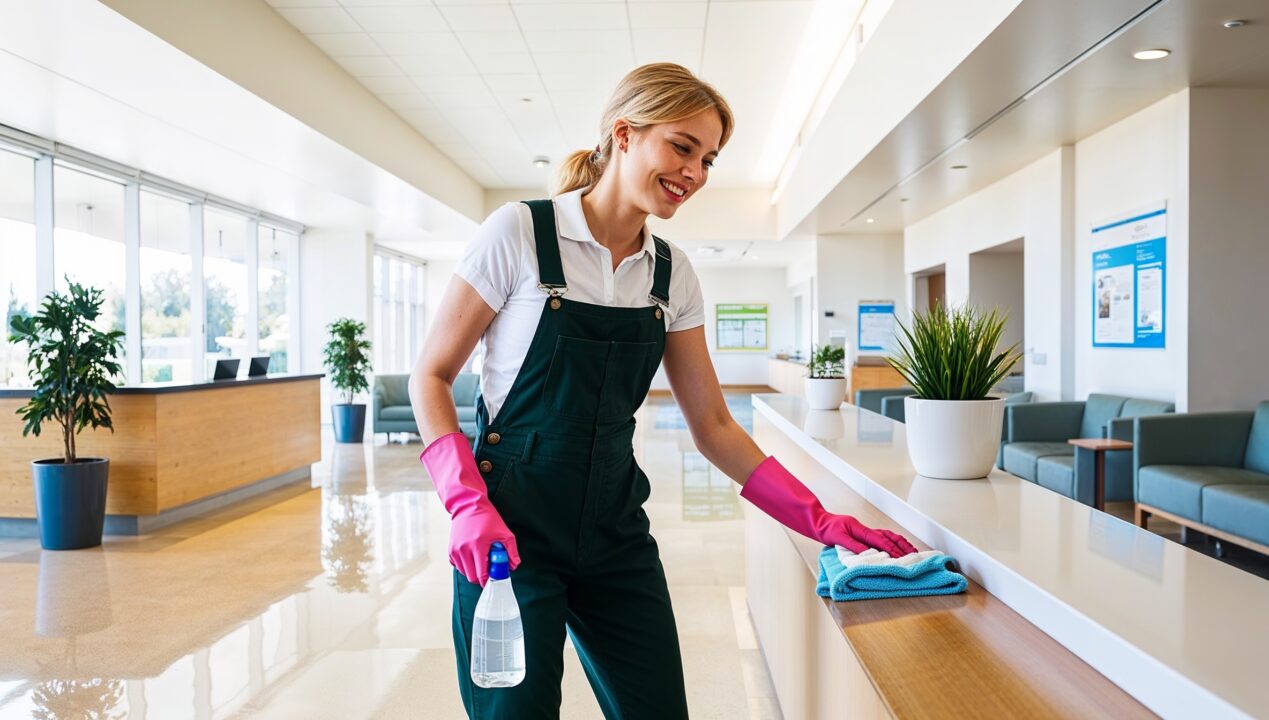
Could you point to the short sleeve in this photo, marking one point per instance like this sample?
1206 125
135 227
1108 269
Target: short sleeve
491 263
691 313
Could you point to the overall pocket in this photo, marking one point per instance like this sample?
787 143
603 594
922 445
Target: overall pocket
598 380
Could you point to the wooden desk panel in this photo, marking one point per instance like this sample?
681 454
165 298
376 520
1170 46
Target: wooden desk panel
867 377
173 447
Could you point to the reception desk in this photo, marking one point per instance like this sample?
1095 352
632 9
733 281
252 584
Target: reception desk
177 450
1070 612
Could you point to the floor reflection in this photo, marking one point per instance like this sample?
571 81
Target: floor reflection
334 601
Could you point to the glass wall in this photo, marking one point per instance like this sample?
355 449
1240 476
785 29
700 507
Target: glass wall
189 282
167 349
225 253
400 291
277 251
17 250
88 245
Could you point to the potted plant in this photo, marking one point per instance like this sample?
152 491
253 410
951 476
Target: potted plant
73 363
826 377
347 356
950 358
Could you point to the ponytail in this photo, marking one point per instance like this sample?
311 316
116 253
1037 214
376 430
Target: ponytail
647 95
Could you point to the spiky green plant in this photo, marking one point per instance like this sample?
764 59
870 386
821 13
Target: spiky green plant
952 354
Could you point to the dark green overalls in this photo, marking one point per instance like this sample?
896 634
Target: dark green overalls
560 468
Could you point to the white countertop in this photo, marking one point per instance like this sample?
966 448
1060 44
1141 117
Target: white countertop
1185 634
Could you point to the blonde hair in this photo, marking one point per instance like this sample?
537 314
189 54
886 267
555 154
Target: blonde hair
648 95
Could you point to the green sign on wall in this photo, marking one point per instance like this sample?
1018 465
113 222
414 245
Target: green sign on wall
741 327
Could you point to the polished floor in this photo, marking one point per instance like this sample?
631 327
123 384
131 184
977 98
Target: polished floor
334 601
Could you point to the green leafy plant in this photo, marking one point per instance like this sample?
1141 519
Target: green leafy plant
347 356
827 361
952 354
73 364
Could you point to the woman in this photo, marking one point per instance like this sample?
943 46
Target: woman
576 305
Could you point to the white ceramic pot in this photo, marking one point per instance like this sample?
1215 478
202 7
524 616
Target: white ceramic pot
825 393
953 439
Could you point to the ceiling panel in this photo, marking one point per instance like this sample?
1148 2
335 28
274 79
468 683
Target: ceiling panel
575 16
415 43
414 19
436 63
485 42
480 18
645 16
370 66
503 63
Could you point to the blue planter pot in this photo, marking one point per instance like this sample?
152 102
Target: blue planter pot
349 421
70 502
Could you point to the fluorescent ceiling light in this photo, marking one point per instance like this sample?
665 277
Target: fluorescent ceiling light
870 221
1153 54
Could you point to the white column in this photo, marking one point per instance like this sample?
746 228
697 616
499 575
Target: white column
253 288
132 280
44 278
197 293
294 319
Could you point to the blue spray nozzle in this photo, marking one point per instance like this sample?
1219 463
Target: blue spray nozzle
499 562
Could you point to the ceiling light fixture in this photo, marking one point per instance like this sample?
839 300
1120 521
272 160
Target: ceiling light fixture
1152 54
903 199
541 161
869 221
1231 24
960 167
526 99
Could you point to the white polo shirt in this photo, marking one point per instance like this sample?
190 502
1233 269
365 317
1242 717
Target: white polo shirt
501 264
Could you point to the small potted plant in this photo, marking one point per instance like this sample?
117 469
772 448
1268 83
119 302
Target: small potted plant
347 357
826 377
73 364
950 357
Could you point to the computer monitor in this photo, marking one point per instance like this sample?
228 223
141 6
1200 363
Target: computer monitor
259 366
226 369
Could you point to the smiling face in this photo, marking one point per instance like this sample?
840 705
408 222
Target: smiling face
667 163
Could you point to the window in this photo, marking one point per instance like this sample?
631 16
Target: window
225 272
88 245
278 251
17 247
167 349
400 289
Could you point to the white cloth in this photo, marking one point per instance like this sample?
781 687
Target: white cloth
501 264
873 556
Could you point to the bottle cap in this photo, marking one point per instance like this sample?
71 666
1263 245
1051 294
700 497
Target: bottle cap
499 562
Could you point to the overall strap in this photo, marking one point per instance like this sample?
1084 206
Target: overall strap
661 274
550 270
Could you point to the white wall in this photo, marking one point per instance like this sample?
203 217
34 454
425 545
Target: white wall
335 267
851 268
1134 163
744 285
997 280
1229 249
1032 204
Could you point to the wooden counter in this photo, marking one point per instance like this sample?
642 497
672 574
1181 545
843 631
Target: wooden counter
1070 612
175 445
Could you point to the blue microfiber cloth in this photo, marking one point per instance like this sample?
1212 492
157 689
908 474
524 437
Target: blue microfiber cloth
874 574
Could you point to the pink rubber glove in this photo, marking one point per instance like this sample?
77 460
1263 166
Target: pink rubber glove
476 524
776 492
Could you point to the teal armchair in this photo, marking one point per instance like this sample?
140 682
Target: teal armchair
873 398
1209 471
1035 445
391 411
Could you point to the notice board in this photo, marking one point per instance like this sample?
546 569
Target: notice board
740 327
1130 279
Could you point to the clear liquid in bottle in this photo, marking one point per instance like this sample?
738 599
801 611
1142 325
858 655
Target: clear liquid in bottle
497 643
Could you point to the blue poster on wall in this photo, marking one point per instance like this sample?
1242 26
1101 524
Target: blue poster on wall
876 325
1129 280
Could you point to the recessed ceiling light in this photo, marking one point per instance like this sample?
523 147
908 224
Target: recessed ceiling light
753 257
541 161
1231 24
526 99
903 199
1152 54
960 167
869 220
